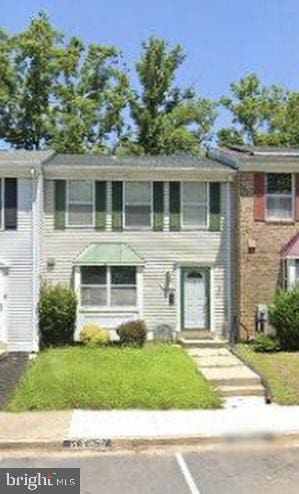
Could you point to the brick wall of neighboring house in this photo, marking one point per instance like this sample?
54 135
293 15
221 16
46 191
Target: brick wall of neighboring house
258 273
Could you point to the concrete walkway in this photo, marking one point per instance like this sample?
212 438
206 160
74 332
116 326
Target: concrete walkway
250 419
226 372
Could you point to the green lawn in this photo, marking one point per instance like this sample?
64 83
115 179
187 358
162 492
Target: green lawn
154 377
280 369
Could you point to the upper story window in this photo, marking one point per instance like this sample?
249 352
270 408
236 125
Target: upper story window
80 203
108 286
194 204
138 205
279 193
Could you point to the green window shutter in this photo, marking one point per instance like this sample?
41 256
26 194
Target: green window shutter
11 204
101 195
158 205
215 206
175 205
60 204
117 205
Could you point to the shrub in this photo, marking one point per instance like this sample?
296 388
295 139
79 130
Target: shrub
284 317
132 333
94 335
265 343
57 315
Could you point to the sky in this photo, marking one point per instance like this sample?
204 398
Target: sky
223 39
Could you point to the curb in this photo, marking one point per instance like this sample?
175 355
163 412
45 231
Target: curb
28 444
110 445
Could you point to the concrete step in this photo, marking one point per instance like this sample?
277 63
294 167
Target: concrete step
254 390
217 361
230 376
202 343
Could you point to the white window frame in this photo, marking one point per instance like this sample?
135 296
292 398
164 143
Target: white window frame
2 216
147 228
91 225
293 197
207 205
290 268
108 286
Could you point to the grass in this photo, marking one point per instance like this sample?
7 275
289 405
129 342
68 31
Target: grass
281 370
154 377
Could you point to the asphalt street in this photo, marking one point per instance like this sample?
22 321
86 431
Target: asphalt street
177 472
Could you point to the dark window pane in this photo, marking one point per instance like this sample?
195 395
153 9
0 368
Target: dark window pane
123 275
92 275
279 183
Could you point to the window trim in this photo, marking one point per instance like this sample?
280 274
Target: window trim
93 224
190 227
293 197
136 228
2 205
108 287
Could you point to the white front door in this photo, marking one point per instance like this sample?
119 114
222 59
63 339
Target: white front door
2 306
195 299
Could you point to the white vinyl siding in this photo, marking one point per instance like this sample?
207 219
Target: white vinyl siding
279 196
1 204
16 252
161 251
80 203
138 199
194 204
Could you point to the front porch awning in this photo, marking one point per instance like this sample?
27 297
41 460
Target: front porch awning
108 254
291 249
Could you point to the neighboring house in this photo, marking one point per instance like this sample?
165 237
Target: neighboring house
146 238
267 228
20 212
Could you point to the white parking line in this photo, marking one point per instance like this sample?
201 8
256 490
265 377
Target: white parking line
186 473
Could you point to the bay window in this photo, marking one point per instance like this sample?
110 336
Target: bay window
80 203
194 204
279 196
108 286
138 205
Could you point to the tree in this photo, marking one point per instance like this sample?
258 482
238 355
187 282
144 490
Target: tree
229 137
59 94
27 76
91 95
166 119
254 108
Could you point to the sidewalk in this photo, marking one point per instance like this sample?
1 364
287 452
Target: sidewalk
250 419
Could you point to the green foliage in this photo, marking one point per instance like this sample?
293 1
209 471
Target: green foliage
132 333
253 108
265 343
284 317
57 93
167 119
94 335
57 315
108 378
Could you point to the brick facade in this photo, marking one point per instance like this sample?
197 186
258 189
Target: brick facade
258 271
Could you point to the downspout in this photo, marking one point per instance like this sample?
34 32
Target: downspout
36 251
229 259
